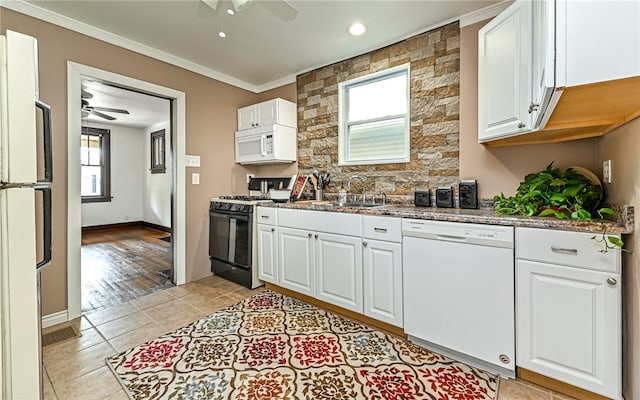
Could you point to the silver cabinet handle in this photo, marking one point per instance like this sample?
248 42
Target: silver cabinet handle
563 250
612 281
309 235
365 244
382 230
316 236
533 107
264 216
273 229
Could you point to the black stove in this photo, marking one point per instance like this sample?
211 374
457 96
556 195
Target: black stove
244 198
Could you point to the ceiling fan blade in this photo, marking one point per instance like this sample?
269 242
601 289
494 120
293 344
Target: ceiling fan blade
284 11
112 110
211 3
85 95
101 115
84 113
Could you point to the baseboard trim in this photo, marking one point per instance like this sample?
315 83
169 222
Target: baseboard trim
94 228
156 226
56 318
557 385
394 330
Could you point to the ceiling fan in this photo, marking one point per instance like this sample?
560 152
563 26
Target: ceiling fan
282 9
97 111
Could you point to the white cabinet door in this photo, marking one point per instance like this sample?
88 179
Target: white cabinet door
382 276
267 253
339 270
247 117
296 260
568 325
267 112
543 61
504 74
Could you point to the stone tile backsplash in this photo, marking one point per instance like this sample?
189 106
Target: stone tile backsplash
435 106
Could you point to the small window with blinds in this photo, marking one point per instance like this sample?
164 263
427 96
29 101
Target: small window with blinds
374 118
95 159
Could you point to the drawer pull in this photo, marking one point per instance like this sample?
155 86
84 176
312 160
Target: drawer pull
563 250
264 216
612 281
382 230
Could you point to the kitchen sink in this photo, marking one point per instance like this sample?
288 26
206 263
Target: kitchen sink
356 205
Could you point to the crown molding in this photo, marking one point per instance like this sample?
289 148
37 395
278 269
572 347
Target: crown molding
34 11
484 13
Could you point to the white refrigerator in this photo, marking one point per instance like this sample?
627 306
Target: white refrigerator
25 214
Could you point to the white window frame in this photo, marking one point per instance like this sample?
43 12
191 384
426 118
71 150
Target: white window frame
343 124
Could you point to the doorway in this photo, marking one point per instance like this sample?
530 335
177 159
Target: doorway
126 194
75 74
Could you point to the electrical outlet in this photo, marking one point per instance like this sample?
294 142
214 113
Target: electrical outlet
250 176
606 171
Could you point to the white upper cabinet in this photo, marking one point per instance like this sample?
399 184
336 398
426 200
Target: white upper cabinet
504 73
275 111
562 69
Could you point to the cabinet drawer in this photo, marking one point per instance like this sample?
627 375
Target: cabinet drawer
382 228
267 215
575 249
321 221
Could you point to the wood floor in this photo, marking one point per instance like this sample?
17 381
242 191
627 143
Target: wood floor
122 264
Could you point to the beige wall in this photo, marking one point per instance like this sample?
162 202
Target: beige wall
501 169
210 121
622 147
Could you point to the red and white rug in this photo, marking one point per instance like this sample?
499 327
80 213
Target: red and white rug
271 346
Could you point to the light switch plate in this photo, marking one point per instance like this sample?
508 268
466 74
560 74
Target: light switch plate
192 161
606 171
195 178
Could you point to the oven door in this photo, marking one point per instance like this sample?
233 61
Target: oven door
230 238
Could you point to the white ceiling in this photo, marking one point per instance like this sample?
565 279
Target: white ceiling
260 51
144 110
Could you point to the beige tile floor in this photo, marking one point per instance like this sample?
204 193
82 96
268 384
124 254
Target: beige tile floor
75 368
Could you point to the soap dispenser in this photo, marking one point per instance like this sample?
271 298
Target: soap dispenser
342 194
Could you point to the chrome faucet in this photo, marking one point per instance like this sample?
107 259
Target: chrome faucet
363 184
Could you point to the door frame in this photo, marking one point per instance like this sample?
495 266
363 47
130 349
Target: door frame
75 73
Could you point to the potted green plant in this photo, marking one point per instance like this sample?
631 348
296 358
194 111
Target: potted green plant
560 194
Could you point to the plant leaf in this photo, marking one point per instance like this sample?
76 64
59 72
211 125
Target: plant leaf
614 240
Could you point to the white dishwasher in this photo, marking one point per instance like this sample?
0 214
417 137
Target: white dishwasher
459 291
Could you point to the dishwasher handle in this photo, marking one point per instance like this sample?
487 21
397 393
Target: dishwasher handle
451 237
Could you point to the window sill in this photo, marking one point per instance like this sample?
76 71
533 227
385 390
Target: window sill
373 162
97 199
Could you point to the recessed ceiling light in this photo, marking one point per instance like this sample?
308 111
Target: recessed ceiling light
230 11
222 34
357 28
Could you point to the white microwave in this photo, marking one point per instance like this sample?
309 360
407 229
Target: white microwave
268 144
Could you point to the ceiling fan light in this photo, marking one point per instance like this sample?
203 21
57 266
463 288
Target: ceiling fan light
240 5
230 11
357 29
222 34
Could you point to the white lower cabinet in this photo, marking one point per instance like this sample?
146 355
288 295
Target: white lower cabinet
568 314
268 253
338 264
296 260
382 278
347 260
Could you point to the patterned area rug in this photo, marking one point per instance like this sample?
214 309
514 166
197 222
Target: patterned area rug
271 346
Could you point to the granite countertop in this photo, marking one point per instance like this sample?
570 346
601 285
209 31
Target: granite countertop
623 225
